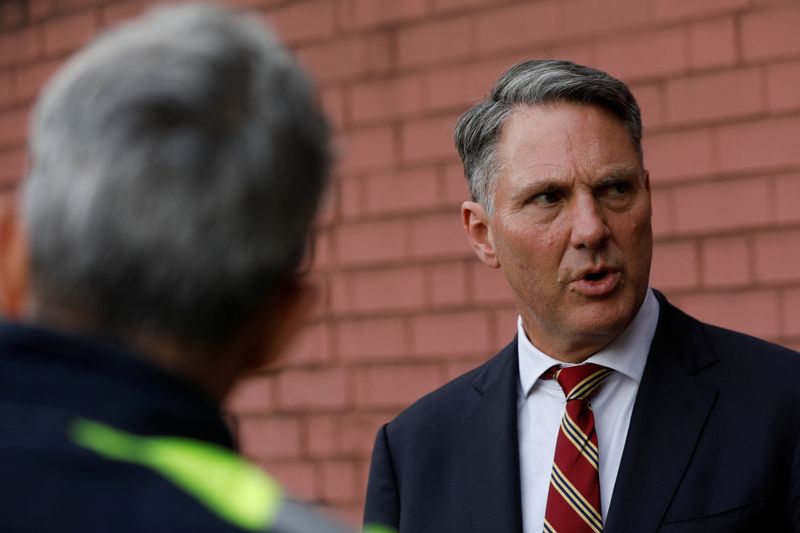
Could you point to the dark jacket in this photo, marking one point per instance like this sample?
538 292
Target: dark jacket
94 438
713 443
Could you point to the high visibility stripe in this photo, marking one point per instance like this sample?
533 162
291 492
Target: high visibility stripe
377 528
230 487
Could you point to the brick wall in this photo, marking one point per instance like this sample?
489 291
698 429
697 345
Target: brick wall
404 306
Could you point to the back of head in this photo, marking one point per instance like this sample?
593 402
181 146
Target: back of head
177 164
535 82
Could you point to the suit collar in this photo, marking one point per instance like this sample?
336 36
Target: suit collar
491 459
671 408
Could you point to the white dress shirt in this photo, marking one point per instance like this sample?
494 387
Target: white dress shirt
541 404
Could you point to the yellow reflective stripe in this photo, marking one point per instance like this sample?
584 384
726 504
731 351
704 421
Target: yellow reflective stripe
226 484
377 528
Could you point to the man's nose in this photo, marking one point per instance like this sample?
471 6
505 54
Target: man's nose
589 228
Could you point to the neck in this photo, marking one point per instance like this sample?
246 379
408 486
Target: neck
214 372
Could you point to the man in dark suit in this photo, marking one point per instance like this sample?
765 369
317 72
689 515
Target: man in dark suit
611 410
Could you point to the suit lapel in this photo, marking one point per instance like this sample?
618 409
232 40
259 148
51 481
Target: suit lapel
671 409
492 449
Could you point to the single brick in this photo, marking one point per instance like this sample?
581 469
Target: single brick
770 33
367 149
310 346
371 13
787 192
440 236
358 430
448 284
266 437
434 42
593 17
402 191
755 312
455 190
19 46
299 478
337 60
303 21
721 95
650 97
392 289
712 43
675 265
252 395
322 435
674 9
428 140
323 389
782 81
663 216
450 334
30 79
13 127
726 261
12 167
659 53
759 144
386 98
373 242
339 481
680 155
463 84
777 255
723 205
519 25
66 34
372 339
351 196
791 312
395 386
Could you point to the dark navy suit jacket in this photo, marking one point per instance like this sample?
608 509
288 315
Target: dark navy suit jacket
713 443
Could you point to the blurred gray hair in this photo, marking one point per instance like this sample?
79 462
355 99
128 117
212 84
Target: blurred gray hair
177 165
535 82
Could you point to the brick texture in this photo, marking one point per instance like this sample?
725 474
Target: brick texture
403 303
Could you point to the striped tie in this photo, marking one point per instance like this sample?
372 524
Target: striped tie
573 501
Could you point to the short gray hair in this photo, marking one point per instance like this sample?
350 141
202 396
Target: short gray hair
535 82
177 165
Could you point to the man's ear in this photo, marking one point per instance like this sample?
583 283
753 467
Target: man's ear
13 260
479 232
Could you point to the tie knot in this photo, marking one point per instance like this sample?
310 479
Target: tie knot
579 382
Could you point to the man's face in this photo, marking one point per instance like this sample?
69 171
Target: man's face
571 225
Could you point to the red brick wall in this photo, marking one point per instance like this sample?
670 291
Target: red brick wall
404 306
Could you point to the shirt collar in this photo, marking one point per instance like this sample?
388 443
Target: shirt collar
627 354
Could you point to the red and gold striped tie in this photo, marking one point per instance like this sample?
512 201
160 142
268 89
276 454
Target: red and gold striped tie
573 501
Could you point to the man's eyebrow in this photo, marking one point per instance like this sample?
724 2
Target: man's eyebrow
539 186
616 174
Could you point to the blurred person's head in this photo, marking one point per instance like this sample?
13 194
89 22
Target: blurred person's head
176 167
560 201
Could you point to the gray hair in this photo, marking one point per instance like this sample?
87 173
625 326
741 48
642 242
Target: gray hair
177 165
535 82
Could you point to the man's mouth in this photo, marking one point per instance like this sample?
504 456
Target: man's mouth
596 276
598 283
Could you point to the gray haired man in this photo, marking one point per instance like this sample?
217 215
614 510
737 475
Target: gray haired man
176 167
611 410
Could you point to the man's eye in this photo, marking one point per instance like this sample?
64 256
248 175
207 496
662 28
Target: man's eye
546 198
619 188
